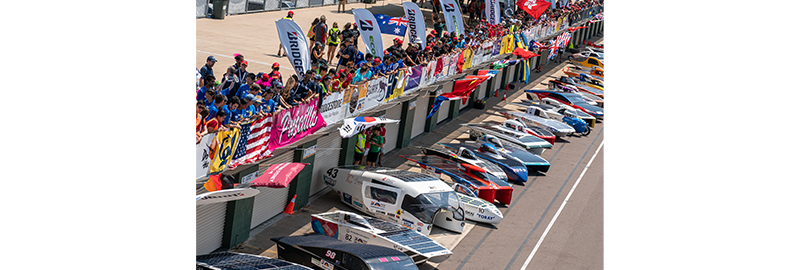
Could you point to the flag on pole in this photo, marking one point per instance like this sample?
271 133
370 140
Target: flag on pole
533 7
461 90
295 44
370 31
392 25
416 23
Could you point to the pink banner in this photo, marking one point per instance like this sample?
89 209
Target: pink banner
293 124
278 175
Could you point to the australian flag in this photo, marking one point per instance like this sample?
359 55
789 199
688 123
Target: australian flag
392 25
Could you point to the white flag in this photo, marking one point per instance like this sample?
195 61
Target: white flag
416 23
295 44
352 126
370 31
452 15
493 11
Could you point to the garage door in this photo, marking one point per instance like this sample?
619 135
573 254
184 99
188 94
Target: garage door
482 90
497 79
210 220
271 201
392 130
444 109
327 156
419 115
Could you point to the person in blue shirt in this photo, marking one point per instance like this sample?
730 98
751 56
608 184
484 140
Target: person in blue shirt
375 69
362 75
219 101
239 114
359 57
250 80
209 85
269 105
367 59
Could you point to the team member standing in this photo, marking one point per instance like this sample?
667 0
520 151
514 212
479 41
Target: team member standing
375 145
361 142
333 40
288 17
321 32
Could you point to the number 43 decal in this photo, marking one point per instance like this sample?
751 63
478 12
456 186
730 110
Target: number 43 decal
332 172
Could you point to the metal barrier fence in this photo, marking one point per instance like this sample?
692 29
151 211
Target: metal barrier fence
205 7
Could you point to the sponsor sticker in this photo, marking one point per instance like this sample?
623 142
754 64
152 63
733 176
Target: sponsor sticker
347 198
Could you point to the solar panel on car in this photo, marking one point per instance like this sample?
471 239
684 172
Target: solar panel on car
240 261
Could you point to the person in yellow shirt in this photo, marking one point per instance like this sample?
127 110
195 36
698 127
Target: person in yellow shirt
361 144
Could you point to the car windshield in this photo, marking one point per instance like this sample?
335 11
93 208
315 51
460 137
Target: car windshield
391 263
426 205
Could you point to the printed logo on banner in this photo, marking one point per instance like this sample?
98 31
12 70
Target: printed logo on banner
293 124
397 85
331 109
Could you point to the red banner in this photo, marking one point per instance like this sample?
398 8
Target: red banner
534 7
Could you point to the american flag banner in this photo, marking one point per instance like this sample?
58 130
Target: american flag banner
252 145
552 50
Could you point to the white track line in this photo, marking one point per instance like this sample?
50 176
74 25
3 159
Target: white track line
561 208
231 57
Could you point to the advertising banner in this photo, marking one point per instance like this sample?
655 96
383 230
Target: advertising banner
416 23
453 62
414 78
350 100
332 110
370 95
492 11
452 16
203 156
370 31
293 124
294 41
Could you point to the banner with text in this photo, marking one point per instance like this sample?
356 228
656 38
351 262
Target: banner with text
293 124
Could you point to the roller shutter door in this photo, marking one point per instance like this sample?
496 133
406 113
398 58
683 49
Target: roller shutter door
497 79
419 116
271 201
444 109
482 90
392 130
326 157
209 222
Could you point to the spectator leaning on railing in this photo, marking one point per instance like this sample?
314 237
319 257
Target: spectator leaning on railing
244 96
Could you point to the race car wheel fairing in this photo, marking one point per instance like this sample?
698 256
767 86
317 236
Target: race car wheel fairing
588 130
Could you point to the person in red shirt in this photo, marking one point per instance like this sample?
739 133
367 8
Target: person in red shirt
215 124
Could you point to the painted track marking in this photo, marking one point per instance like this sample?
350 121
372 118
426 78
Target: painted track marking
546 230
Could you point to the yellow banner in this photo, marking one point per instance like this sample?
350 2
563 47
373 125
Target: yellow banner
558 24
467 59
223 149
399 87
503 45
510 44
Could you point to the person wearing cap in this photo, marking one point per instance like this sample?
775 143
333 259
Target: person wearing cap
376 62
347 53
302 91
264 81
207 69
288 17
275 73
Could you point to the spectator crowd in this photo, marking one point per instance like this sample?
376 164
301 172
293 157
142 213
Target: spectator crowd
226 101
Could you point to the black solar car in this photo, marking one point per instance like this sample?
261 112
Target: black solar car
241 261
324 252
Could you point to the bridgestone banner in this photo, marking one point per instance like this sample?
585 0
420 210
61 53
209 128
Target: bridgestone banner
295 44
332 109
416 23
452 16
493 11
370 31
